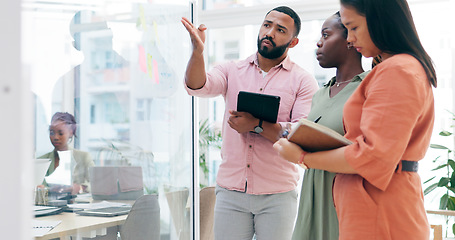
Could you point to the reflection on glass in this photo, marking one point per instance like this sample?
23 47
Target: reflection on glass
118 69
68 170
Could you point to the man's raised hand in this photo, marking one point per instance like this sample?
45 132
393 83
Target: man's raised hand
197 35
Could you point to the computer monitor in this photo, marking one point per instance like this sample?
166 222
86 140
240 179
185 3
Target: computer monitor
116 182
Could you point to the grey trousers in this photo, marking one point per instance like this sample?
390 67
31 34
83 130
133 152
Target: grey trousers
238 215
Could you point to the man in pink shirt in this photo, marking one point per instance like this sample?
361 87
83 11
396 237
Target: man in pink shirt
255 191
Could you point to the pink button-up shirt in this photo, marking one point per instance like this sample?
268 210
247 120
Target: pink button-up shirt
249 156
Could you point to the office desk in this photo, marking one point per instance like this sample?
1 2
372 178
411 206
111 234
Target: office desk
442 212
81 226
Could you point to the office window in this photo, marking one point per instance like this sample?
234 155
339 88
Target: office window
140 110
109 60
92 114
143 109
231 50
117 67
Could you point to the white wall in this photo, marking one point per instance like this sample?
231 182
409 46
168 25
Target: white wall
15 130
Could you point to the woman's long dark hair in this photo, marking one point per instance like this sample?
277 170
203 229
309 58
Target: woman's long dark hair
392 30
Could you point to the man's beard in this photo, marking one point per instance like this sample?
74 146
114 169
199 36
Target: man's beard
275 52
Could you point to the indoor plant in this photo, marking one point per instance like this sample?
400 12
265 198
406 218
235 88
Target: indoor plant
444 174
208 136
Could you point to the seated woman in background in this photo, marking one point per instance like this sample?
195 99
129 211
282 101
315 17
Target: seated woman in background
61 132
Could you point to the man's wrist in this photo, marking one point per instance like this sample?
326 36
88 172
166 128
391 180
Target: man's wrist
301 160
258 128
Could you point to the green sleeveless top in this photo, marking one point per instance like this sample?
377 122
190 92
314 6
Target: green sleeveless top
317 219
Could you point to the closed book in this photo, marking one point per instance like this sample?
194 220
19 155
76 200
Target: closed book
313 137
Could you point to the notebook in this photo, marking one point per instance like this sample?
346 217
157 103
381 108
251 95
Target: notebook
41 211
313 137
261 106
42 227
106 212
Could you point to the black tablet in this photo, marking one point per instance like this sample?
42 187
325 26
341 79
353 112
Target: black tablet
261 106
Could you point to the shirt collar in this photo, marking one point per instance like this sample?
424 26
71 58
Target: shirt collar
285 64
331 82
356 78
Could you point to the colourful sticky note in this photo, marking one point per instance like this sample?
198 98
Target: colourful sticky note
142 60
155 29
155 71
149 66
142 18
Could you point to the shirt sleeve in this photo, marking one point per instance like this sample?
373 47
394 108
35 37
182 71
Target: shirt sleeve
302 105
215 84
393 100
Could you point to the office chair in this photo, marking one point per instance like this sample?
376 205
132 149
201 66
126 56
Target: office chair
143 221
207 210
437 234
177 200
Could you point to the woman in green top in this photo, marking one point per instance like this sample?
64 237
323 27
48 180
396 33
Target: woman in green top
317 219
61 132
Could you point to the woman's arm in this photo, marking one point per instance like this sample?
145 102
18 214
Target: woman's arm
332 160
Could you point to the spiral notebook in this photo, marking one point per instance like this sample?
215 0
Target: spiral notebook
42 227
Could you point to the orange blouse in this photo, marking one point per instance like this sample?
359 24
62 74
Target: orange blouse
388 118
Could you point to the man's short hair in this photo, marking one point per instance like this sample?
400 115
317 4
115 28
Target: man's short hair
291 13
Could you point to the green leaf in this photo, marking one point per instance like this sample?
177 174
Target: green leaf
443 182
439 167
451 163
427 181
445 133
451 203
436 159
452 180
451 189
443 202
430 188
453 228
437 146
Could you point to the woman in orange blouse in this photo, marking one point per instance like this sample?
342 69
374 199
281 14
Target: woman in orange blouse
389 118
